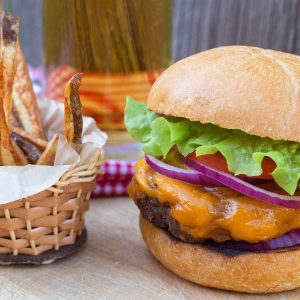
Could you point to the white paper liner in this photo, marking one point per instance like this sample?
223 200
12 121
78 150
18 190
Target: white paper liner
20 182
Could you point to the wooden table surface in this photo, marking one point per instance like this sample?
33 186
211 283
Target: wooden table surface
115 264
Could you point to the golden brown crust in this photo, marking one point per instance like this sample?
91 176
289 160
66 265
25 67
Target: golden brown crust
10 153
234 87
264 272
73 111
9 34
31 151
39 143
24 99
48 156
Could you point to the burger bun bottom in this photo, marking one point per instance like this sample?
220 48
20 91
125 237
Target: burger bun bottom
249 272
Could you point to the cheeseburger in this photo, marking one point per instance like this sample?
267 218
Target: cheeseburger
218 188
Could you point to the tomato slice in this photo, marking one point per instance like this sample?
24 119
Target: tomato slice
217 161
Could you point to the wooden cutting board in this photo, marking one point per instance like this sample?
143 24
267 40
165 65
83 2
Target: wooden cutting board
115 264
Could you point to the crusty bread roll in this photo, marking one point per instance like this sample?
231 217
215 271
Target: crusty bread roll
234 87
264 272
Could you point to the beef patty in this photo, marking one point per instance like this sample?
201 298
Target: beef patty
159 214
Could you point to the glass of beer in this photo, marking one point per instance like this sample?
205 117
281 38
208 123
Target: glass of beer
121 46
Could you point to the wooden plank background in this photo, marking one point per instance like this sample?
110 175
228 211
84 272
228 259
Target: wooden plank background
197 25
204 24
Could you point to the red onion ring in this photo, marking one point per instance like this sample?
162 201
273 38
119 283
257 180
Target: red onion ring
189 176
243 187
290 239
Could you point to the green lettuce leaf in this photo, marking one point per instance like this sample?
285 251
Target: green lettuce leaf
243 152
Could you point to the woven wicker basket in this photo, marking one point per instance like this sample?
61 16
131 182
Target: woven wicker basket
49 220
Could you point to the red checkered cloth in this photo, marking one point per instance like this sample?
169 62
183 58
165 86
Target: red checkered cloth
115 178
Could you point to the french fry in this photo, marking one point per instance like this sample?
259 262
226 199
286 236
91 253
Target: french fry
9 39
24 99
19 109
73 111
48 156
32 152
10 153
39 143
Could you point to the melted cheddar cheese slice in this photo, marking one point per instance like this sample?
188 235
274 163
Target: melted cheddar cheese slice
215 213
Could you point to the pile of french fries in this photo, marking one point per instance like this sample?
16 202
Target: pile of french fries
22 140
